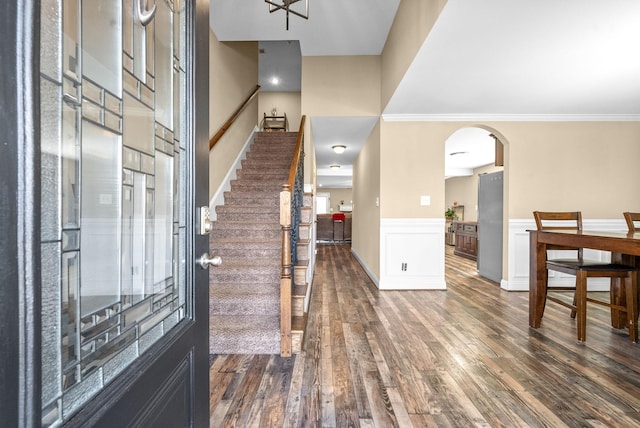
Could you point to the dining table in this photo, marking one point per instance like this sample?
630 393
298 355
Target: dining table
624 248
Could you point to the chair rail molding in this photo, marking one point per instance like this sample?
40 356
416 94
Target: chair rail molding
412 254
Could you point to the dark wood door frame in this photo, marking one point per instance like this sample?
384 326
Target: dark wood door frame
20 179
19 218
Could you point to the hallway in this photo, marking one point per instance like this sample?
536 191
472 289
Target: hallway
461 357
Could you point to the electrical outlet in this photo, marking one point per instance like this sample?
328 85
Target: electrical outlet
403 267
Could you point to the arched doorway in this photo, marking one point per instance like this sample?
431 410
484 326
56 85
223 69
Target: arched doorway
475 193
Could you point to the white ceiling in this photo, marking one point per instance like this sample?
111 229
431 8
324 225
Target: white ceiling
281 60
334 27
467 149
330 131
483 60
532 59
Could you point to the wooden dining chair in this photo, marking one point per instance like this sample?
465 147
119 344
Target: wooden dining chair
632 219
582 269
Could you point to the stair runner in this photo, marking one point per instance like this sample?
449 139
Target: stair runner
244 305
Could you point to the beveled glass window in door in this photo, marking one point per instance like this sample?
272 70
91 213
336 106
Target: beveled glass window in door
113 190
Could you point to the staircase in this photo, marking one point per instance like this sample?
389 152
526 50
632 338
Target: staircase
244 306
301 289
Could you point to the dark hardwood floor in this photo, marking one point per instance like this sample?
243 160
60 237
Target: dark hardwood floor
461 357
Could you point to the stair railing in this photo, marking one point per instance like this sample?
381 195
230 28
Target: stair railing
232 118
291 197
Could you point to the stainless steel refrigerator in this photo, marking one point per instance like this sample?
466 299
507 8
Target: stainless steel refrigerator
490 202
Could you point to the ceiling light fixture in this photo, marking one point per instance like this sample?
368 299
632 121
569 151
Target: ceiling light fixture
334 166
286 6
275 80
339 149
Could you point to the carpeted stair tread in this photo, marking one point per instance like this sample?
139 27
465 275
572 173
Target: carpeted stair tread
257 186
251 243
262 265
243 299
248 209
258 164
246 248
256 268
238 254
217 233
246 225
245 289
272 187
268 153
245 335
246 216
268 175
250 194
239 273
230 199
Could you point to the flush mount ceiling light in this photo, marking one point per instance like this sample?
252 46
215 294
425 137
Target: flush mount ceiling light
286 6
339 149
334 166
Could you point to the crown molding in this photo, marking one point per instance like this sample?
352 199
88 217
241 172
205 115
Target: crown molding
511 117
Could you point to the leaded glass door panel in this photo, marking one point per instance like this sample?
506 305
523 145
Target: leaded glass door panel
120 125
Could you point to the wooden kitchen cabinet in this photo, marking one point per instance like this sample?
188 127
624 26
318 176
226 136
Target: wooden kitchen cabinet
466 234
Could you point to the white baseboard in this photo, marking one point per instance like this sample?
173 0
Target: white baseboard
225 186
369 272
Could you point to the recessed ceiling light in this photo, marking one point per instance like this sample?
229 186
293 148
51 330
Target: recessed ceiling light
339 149
334 166
275 80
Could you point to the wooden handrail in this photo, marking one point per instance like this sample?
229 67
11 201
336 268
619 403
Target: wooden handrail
234 116
296 154
285 222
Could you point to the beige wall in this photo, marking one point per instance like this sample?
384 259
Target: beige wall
337 86
284 102
412 24
233 76
412 165
587 166
338 195
464 191
564 166
341 85
366 215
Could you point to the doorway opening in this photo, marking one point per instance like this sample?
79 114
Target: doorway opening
474 200
323 202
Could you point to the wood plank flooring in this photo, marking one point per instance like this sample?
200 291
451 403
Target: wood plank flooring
456 358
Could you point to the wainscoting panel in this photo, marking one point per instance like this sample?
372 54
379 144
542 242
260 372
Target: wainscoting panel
412 254
518 269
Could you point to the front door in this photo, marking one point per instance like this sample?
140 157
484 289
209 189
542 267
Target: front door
104 163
